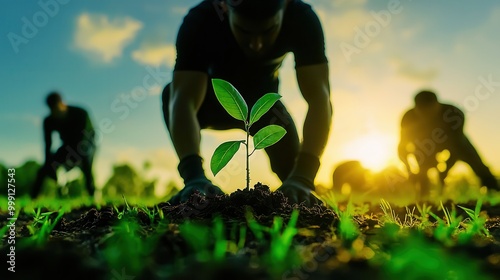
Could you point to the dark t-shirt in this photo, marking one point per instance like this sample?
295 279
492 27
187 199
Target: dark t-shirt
444 132
205 43
74 128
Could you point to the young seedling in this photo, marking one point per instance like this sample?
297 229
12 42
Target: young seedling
474 225
348 229
41 234
447 228
127 212
424 211
236 106
39 218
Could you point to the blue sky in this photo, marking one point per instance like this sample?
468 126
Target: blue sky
115 57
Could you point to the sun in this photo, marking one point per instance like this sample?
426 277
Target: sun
373 150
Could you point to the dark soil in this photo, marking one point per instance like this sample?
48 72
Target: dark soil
75 247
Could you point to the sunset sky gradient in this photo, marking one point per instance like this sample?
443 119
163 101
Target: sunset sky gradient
115 57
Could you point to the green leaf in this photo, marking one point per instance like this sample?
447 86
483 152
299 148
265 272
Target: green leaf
268 136
223 154
262 106
230 99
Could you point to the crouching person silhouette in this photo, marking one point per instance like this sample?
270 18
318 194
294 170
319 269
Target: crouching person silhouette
245 43
431 127
78 147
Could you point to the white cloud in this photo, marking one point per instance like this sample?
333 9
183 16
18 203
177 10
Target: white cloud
341 26
410 32
412 72
105 38
338 4
348 3
155 55
179 10
35 121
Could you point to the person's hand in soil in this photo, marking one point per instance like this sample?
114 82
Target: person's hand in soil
202 185
191 170
298 189
298 186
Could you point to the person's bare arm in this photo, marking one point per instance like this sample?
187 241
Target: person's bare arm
187 94
405 139
402 146
315 88
313 81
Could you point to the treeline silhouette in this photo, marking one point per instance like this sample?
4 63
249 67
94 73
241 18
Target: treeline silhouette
124 180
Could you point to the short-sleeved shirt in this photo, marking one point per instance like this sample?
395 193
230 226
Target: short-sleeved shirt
205 43
74 128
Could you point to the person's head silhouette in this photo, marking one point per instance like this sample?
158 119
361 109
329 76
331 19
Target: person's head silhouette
426 104
425 98
56 104
255 24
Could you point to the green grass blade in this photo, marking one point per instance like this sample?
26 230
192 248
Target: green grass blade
242 237
469 212
477 210
230 99
220 246
257 230
223 154
268 136
262 106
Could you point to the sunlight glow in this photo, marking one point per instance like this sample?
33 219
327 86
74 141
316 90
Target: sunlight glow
373 150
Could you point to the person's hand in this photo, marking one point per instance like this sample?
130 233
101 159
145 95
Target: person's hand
203 185
298 190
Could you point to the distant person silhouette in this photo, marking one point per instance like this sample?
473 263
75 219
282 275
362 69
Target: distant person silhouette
78 144
352 173
245 43
431 127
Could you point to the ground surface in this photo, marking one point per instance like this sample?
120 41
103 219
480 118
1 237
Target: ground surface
118 243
